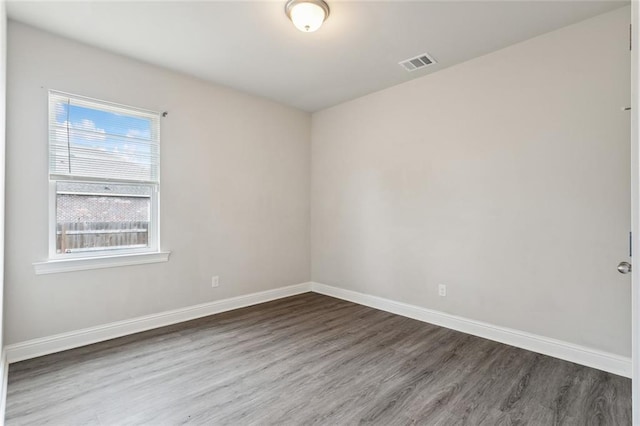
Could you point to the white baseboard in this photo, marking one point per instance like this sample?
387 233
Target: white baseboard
556 348
60 342
4 376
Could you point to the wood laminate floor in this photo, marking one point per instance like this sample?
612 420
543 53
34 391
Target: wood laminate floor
310 359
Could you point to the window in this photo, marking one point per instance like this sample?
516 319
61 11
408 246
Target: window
104 178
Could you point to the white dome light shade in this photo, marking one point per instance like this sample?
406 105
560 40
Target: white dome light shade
307 15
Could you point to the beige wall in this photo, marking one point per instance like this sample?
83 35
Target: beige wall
234 200
3 87
505 178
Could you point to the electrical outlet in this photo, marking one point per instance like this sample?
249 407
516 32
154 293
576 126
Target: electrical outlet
442 290
215 281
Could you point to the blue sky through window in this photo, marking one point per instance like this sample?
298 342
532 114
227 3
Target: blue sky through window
106 131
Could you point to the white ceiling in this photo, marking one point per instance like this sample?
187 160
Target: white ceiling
253 47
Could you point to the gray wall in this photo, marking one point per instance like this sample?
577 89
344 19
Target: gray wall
234 202
505 178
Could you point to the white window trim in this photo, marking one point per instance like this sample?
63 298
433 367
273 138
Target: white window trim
79 261
87 263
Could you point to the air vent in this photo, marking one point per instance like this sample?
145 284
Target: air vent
418 62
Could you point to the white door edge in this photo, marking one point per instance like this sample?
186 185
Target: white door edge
635 210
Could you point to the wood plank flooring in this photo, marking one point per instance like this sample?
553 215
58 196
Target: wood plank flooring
310 359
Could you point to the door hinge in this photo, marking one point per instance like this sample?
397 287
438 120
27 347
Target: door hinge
630 244
630 36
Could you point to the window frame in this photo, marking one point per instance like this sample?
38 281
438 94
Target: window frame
91 259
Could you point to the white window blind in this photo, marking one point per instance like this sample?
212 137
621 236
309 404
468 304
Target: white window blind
95 140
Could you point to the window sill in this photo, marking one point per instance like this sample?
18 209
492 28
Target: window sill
83 264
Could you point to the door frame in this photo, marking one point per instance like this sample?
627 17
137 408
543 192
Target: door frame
635 210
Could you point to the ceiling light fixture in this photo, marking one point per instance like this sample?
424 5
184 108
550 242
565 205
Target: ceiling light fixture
307 15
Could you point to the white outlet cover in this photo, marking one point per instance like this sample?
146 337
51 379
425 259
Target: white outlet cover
215 281
442 290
